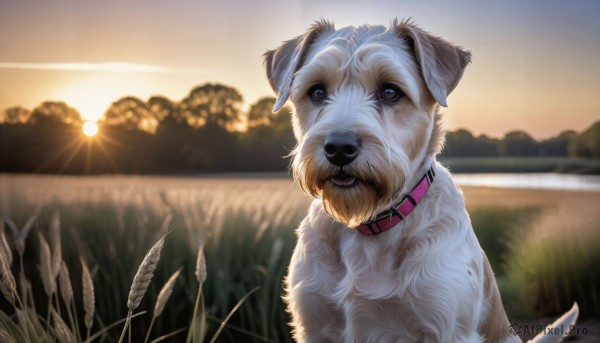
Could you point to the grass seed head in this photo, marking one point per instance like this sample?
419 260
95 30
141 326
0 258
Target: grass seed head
61 330
165 293
5 252
55 244
144 275
89 304
8 286
201 265
66 289
45 267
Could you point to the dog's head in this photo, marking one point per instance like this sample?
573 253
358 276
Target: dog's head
366 103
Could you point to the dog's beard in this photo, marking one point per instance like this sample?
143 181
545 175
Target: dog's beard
350 205
353 203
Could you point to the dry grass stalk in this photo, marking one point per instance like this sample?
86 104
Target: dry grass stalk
201 265
55 243
275 253
197 328
5 337
66 289
13 227
89 305
144 275
5 252
166 222
19 236
165 293
45 267
61 330
22 235
25 287
163 297
140 283
8 286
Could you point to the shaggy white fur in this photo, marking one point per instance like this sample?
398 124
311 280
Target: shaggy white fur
375 93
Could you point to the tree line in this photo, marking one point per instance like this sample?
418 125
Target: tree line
207 131
462 143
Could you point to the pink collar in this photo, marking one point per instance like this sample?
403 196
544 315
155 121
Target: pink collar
388 219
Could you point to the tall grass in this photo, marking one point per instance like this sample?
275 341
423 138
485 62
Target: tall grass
246 227
556 262
545 258
496 227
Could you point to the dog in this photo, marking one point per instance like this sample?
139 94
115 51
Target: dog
387 252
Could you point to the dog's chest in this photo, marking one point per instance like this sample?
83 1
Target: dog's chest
402 284
369 269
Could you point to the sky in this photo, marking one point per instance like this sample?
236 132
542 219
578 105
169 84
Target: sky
535 65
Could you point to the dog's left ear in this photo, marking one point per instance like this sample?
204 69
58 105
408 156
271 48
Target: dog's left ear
283 62
442 64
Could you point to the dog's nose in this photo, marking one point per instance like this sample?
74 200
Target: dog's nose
341 149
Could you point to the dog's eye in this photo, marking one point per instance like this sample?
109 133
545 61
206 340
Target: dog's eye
317 93
390 93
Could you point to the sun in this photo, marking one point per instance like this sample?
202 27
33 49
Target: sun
90 128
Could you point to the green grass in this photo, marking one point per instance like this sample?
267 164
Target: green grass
544 258
496 228
555 263
247 227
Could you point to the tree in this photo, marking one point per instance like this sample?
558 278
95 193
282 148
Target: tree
557 146
160 107
268 139
16 115
261 113
518 143
487 146
587 144
131 113
463 143
459 143
166 112
171 136
212 104
54 112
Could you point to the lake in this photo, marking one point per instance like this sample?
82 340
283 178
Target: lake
549 181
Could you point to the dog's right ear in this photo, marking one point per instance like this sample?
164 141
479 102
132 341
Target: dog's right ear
283 62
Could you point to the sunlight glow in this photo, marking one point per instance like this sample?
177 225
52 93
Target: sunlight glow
91 96
90 128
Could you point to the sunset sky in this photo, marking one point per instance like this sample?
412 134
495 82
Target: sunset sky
536 64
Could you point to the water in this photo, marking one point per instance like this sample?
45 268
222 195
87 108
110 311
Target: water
550 181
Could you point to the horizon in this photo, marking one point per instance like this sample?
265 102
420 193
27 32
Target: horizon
534 65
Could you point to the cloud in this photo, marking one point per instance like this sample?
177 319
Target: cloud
112 67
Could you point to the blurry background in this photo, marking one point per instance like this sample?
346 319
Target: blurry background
175 94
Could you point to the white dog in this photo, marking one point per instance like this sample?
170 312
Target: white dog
387 252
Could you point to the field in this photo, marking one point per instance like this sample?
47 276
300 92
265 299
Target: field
543 246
